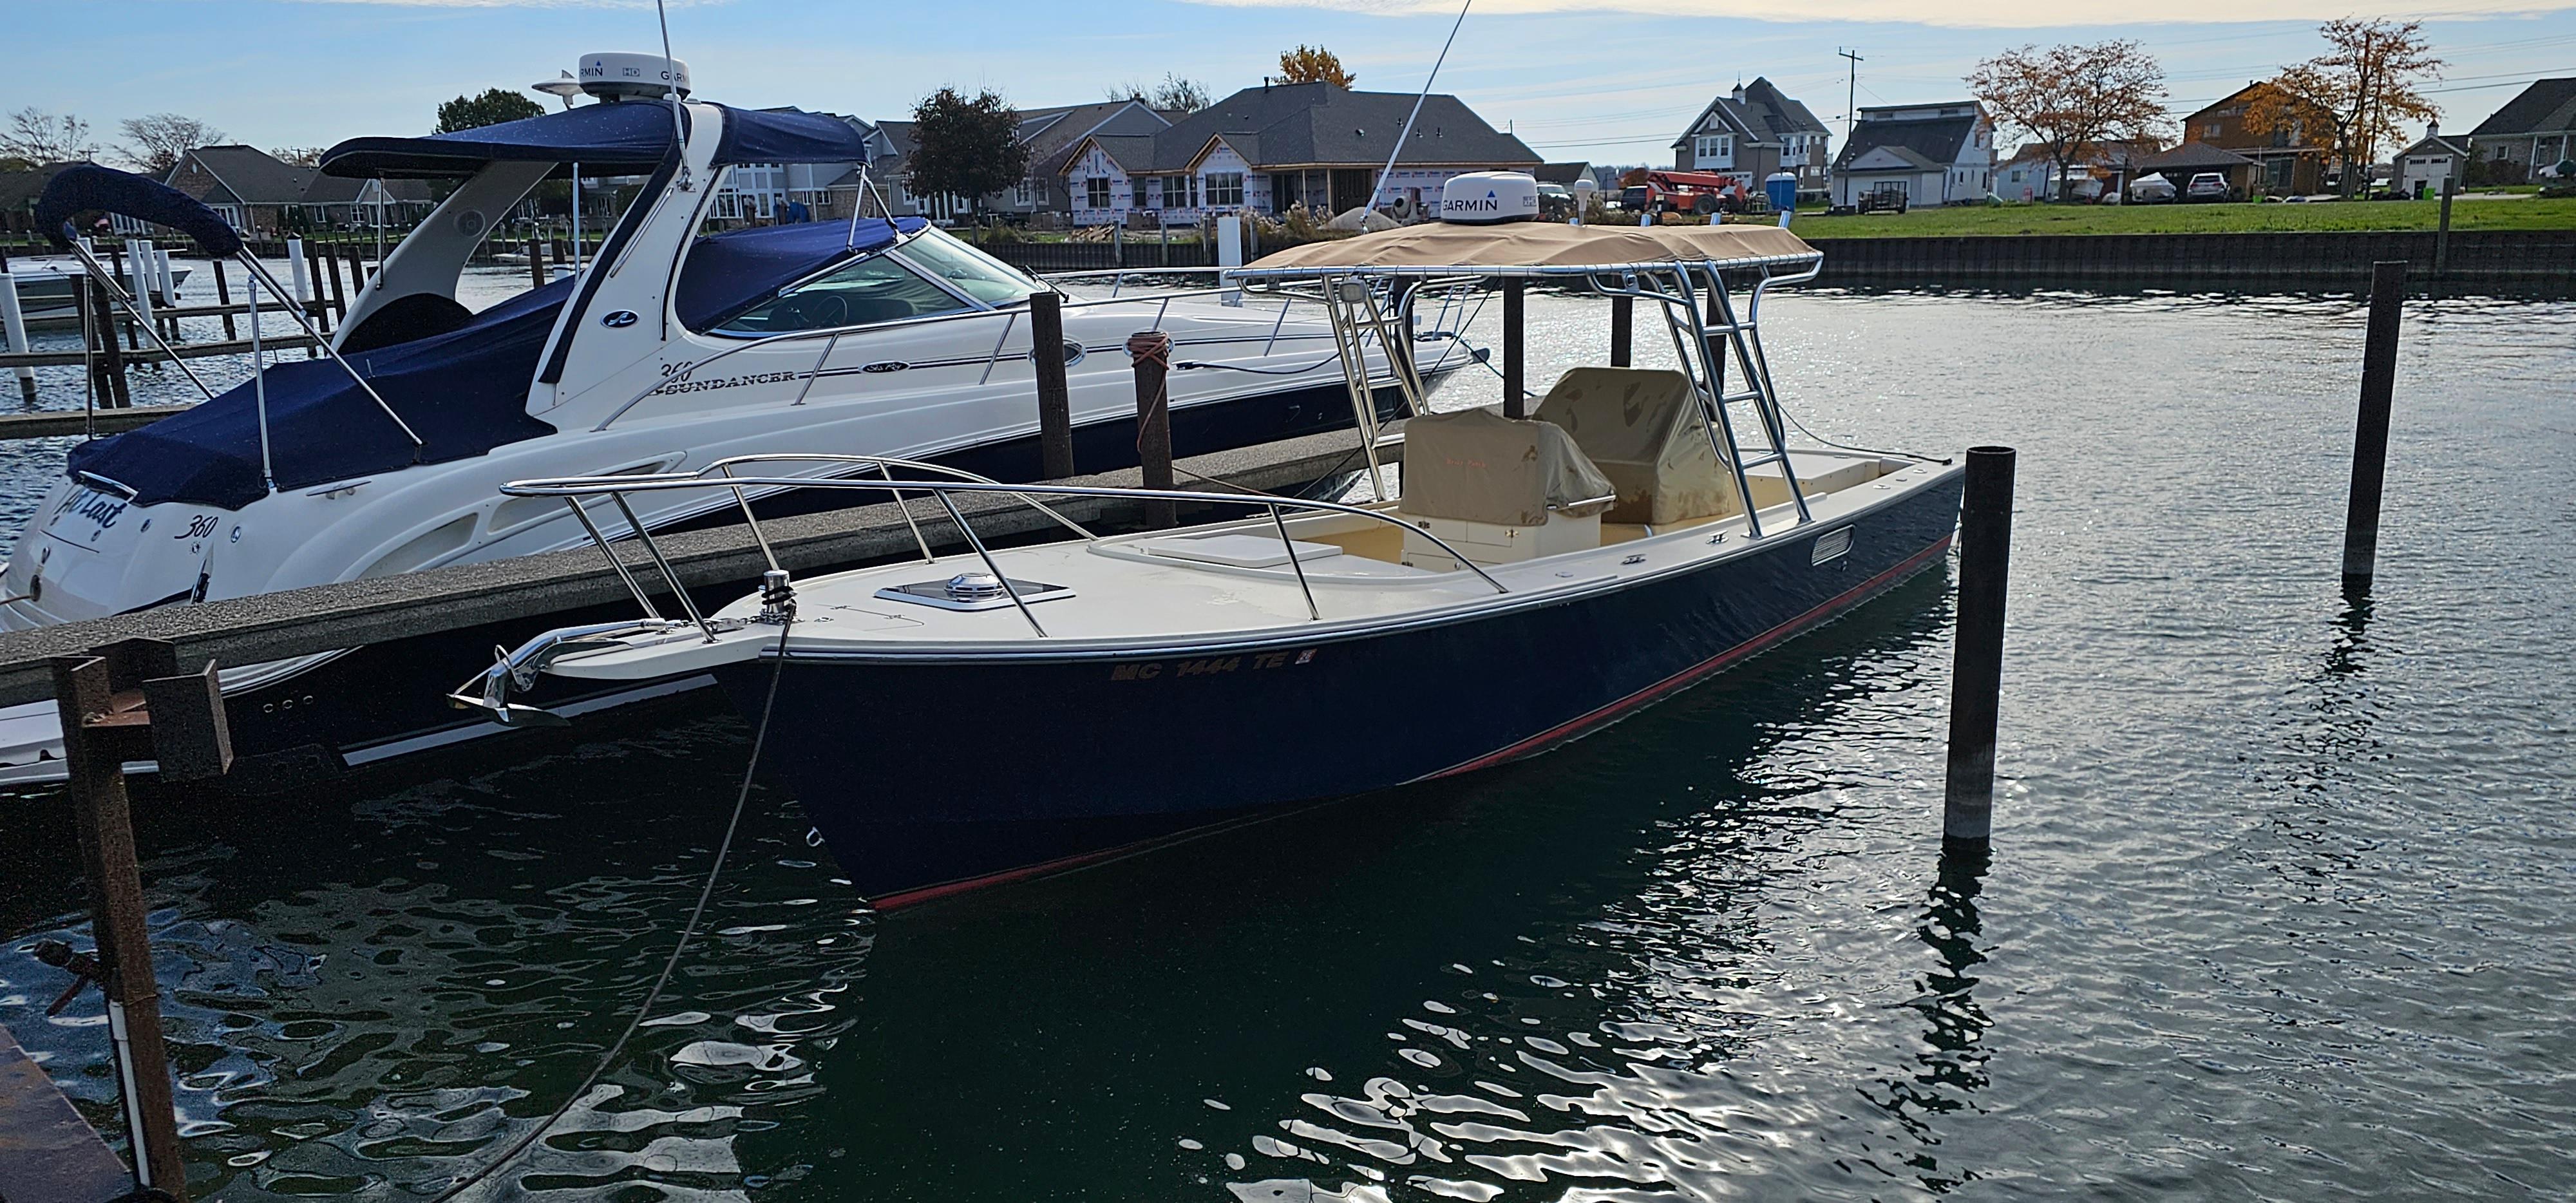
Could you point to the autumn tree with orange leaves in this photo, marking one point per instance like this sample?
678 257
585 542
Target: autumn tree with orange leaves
2074 100
2361 93
1313 65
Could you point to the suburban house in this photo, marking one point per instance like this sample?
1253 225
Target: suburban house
1051 135
2244 176
2536 129
2286 162
2032 175
1276 146
255 191
19 191
1935 154
2423 168
1758 130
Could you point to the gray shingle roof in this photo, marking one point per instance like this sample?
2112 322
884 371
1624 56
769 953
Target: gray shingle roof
2546 107
254 176
1295 125
1937 140
1765 115
2191 156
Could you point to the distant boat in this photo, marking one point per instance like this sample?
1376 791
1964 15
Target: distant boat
44 284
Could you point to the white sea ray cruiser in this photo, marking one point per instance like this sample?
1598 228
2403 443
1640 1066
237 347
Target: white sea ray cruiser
1538 578
668 351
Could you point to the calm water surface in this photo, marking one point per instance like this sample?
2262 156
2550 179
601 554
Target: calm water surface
2279 904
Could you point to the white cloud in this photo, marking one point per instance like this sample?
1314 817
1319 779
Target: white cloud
1979 14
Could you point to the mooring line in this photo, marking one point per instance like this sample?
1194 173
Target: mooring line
688 932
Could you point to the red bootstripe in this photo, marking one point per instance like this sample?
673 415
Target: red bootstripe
1568 730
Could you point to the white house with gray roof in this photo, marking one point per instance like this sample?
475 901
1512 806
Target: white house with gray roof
1937 154
1273 147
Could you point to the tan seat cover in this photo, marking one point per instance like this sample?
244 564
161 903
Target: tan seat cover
1641 427
1476 465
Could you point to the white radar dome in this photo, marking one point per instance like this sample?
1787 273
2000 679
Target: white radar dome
1485 197
633 76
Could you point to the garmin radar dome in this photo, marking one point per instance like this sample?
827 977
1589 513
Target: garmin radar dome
614 77
1484 198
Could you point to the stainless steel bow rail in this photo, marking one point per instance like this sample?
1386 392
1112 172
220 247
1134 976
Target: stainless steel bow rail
519 668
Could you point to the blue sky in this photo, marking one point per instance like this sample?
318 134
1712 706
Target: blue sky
1605 80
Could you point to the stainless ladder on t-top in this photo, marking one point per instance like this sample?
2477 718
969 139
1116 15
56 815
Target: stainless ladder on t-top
1693 332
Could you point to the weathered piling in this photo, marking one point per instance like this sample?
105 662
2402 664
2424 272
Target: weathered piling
1976 668
105 701
1151 352
224 298
1623 329
536 262
119 390
13 326
2370 431
1717 340
1515 321
1055 393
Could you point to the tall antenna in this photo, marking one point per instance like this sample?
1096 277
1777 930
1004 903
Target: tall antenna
671 83
1407 131
1851 93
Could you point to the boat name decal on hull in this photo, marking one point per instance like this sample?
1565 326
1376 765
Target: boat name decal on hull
685 385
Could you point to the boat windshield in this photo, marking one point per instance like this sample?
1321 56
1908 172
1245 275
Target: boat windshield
970 271
874 288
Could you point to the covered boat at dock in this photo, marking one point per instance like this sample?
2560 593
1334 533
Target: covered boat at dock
1002 711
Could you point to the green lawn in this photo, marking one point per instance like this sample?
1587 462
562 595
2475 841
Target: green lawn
2516 214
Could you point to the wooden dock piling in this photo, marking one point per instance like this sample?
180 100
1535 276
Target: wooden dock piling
224 299
2370 431
1623 329
119 391
1151 352
1515 320
106 722
1055 393
1976 669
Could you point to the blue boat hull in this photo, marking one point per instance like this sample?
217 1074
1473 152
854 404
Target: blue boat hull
390 699
992 768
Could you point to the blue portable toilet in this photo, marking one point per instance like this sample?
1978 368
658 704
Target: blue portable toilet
1782 189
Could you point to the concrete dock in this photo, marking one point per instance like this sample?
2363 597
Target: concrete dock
47 1151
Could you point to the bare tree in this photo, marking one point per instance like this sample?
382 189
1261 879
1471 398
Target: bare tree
1187 95
300 156
2362 92
153 143
2074 99
41 137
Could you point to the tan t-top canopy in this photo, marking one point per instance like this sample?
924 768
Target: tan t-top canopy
1534 249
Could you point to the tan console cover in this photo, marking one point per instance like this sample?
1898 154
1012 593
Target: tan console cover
1641 427
1476 465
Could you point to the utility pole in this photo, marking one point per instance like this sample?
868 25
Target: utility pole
1851 95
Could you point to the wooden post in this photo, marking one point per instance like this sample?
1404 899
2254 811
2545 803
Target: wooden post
1623 329
120 392
224 298
1055 394
1515 403
119 314
2442 239
536 262
2370 433
1151 352
339 297
95 748
1977 665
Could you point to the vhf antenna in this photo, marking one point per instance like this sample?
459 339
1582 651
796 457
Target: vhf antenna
671 82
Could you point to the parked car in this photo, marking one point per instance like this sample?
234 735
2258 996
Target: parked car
2151 189
2207 186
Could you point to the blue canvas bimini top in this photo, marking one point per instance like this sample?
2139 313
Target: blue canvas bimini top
633 134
